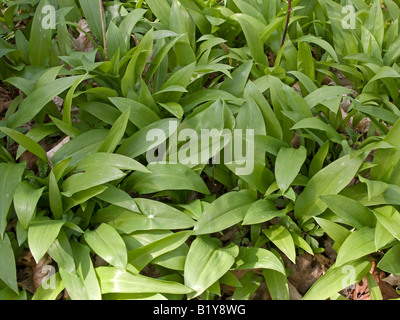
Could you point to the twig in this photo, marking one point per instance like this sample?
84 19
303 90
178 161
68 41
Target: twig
103 29
287 22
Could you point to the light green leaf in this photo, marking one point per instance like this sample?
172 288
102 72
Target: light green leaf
287 166
336 279
108 244
8 270
10 177
225 212
261 211
330 180
116 280
358 244
153 215
253 258
167 176
390 262
389 218
282 238
116 133
26 142
207 262
41 234
25 201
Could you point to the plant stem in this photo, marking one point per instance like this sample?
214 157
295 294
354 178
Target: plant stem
287 22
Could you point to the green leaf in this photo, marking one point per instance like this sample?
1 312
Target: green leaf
374 291
338 233
351 211
41 234
108 244
389 218
390 262
282 238
93 176
10 177
336 279
250 282
86 271
55 199
141 141
287 166
26 142
358 244
250 29
140 115
225 212
116 280
102 159
207 262
40 38
261 211
167 176
8 270
91 10
38 99
330 180
25 201
153 215
140 257
254 258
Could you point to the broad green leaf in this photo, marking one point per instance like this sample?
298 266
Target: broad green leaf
25 201
26 142
10 177
317 162
330 180
55 199
103 159
225 212
387 160
261 211
144 140
48 292
117 197
86 271
338 233
40 38
116 280
254 258
152 215
389 218
140 115
390 262
250 282
42 233
336 279
305 61
382 236
93 176
321 43
108 244
358 244
351 211
207 262
250 30
38 99
166 176
374 290
116 133
140 257
91 10
287 166
282 238
8 270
